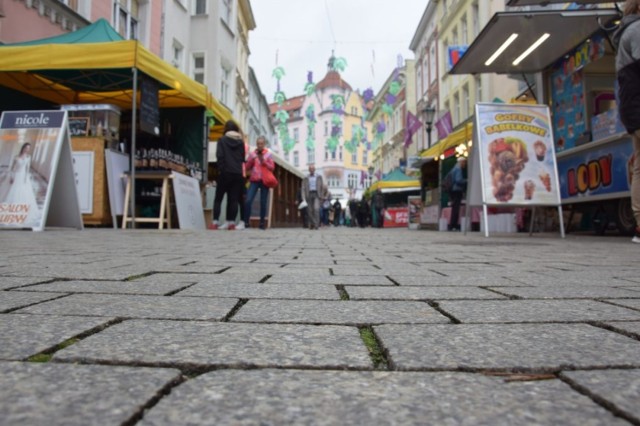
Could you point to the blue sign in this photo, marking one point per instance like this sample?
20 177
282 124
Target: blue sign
607 169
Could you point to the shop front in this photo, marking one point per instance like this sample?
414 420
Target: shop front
574 74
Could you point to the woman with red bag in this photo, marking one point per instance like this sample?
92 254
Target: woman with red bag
259 160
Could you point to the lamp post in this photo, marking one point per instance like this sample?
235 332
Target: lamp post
428 113
370 170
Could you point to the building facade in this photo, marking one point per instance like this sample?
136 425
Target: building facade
327 127
392 106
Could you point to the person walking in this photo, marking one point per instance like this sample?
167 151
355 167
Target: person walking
259 159
627 41
312 191
337 212
230 157
458 187
378 208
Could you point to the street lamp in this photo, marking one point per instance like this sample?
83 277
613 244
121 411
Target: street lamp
429 113
370 170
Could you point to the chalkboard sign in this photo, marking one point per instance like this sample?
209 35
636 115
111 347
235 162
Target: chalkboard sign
149 106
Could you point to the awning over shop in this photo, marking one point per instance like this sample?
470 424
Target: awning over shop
501 45
396 181
452 140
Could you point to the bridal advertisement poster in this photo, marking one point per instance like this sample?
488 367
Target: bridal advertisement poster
516 155
35 167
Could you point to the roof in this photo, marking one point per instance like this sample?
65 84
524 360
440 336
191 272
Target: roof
288 105
98 32
394 181
333 79
525 28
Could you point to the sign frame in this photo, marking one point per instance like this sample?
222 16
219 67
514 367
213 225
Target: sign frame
512 159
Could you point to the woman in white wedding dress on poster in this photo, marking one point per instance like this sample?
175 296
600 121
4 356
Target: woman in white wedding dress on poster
21 191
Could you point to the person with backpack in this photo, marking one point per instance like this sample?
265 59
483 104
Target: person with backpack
458 186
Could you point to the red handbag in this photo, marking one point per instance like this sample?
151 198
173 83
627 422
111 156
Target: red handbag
268 178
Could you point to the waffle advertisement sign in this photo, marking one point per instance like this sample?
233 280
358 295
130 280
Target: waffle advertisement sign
515 155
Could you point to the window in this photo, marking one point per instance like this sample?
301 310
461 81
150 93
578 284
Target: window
198 67
200 7
326 154
326 128
225 12
178 51
456 109
454 36
296 159
340 152
425 75
311 156
296 136
125 18
463 30
224 85
352 180
354 110
478 89
365 156
465 101
432 63
354 157
475 19
333 155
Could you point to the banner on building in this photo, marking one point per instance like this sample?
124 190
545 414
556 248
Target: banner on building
37 179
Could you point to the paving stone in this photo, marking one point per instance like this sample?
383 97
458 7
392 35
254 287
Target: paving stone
129 306
619 387
342 312
58 394
630 303
567 292
501 346
337 397
418 293
16 299
222 344
224 278
263 291
12 282
511 311
433 279
567 279
328 279
26 335
115 287
630 326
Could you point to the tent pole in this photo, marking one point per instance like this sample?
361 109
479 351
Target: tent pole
134 107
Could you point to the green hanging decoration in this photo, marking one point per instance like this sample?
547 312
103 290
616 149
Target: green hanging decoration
282 116
394 88
339 64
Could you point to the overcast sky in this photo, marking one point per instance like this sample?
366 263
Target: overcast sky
300 35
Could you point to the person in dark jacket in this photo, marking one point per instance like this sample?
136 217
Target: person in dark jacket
378 208
457 192
230 157
627 41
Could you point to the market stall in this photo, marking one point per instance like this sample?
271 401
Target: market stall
163 110
577 79
437 161
396 188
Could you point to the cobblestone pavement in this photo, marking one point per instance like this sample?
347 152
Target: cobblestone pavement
337 326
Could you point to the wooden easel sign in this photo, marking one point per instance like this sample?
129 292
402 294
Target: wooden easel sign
513 162
37 184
